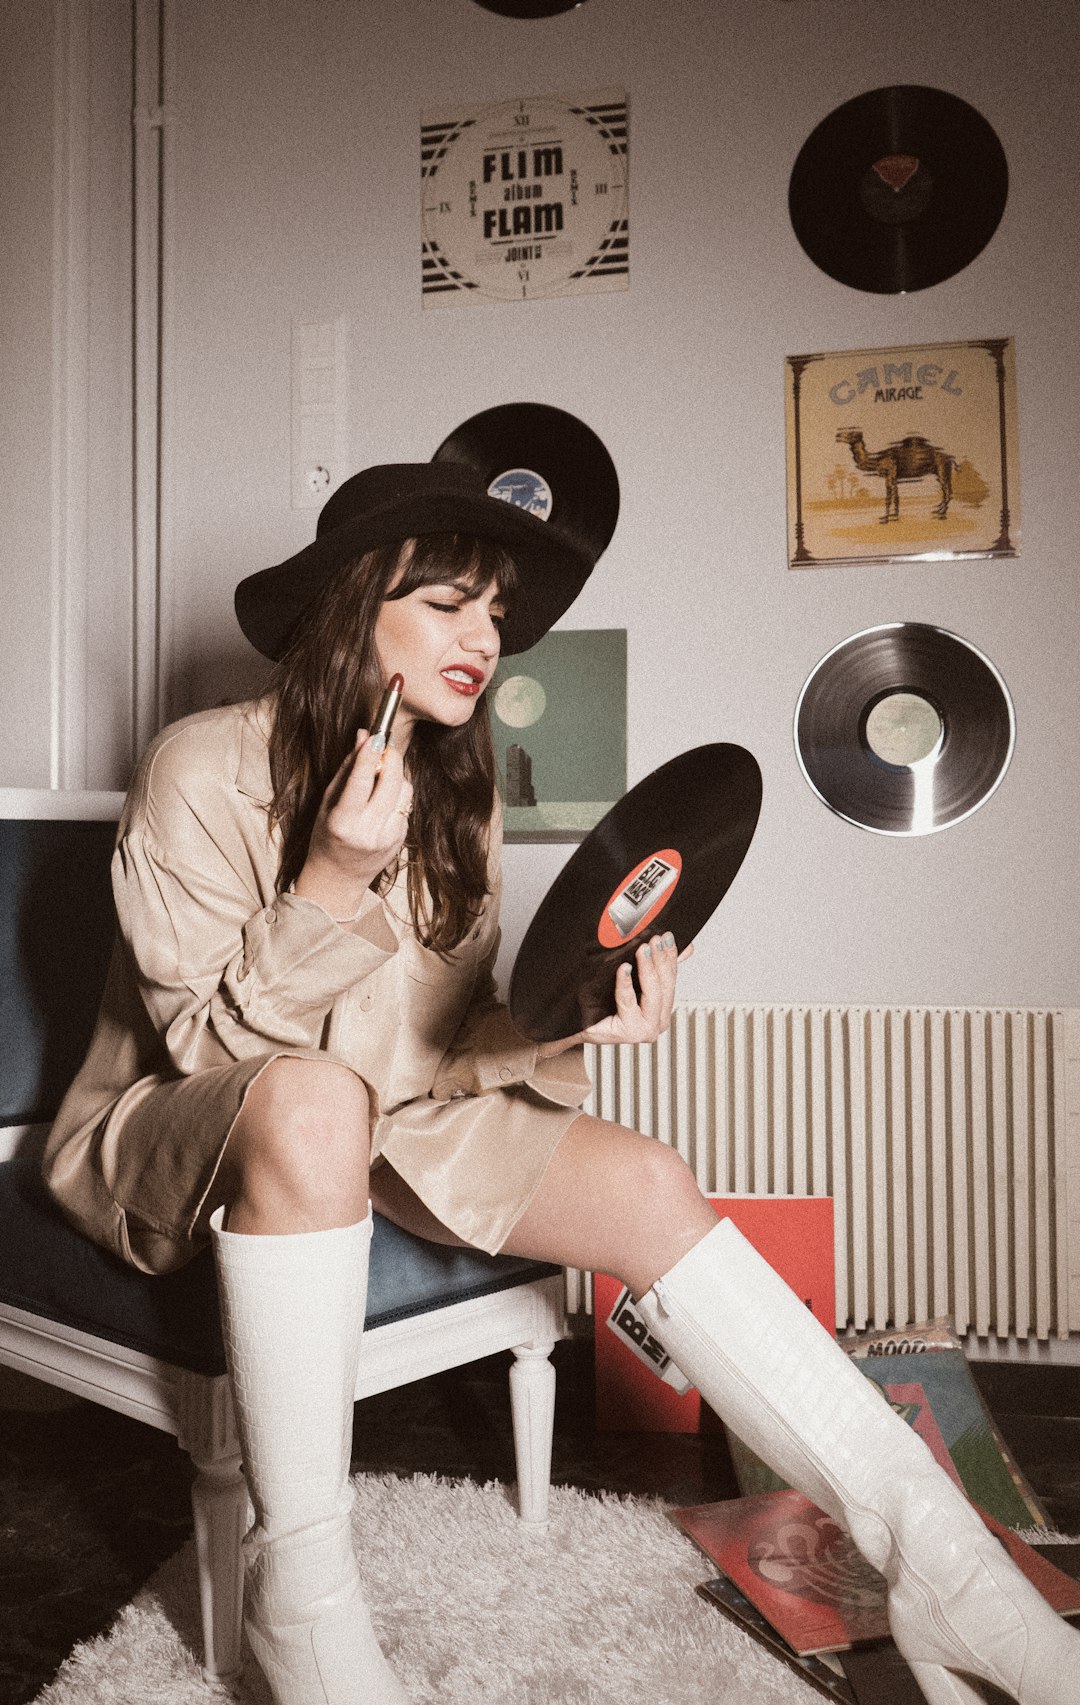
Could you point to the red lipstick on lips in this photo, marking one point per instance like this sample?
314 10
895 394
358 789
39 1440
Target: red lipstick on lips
470 688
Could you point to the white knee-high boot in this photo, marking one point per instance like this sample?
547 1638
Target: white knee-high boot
958 1605
292 1311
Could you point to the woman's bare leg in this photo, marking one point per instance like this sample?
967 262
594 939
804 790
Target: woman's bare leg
298 1153
295 1173
613 1201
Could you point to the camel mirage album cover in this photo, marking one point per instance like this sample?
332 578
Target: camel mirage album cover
907 453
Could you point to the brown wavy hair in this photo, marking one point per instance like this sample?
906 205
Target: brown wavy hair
328 684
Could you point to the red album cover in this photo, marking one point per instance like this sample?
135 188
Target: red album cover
793 1233
807 1579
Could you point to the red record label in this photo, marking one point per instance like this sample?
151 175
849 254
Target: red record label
640 897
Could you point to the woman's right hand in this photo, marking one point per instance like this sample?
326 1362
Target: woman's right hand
360 829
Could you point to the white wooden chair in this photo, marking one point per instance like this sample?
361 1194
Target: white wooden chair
74 1317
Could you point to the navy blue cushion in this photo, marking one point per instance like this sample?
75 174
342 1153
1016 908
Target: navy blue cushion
48 1268
56 931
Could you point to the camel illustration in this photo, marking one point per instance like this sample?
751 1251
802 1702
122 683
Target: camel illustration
910 459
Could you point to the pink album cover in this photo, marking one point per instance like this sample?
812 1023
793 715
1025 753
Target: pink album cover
805 1576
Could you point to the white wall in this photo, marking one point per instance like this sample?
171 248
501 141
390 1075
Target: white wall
295 149
26 417
65 433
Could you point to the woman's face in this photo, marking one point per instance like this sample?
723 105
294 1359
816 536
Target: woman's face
444 640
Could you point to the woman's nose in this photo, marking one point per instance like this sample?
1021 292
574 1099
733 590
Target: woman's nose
482 634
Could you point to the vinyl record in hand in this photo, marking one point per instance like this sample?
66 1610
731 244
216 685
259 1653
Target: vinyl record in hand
662 859
904 729
548 462
898 189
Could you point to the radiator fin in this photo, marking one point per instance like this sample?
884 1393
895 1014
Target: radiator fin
949 1139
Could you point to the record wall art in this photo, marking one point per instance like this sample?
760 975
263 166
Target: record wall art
904 729
525 198
547 461
529 8
661 859
898 189
902 453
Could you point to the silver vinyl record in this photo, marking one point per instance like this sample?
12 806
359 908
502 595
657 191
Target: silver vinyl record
904 729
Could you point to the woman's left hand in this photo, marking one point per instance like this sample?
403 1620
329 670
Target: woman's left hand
636 1020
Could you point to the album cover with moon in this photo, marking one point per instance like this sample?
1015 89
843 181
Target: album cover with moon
558 719
902 454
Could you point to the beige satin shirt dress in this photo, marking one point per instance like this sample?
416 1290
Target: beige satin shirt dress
215 973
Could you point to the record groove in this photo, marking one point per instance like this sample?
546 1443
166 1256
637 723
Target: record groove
546 460
898 189
904 729
661 859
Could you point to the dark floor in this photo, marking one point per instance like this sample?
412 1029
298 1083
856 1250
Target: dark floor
91 1503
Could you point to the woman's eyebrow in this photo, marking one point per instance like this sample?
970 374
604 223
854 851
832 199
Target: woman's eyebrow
469 591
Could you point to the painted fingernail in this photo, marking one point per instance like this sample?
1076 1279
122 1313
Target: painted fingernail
647 950
669 939
377 743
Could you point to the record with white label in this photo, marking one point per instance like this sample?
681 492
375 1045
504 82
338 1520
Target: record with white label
904 729
661 859
898 189
545 460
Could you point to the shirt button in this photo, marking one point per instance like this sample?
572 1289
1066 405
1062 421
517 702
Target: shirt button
367 1002
505 1072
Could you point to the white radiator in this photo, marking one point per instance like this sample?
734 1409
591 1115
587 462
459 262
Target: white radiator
949 1140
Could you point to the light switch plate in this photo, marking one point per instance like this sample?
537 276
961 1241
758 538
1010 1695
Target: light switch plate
320 385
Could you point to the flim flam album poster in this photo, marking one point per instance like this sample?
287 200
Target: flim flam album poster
903 454
525 198
558 721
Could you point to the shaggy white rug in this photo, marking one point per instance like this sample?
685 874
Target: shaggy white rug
473 1609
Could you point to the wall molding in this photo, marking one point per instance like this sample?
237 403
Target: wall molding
70 393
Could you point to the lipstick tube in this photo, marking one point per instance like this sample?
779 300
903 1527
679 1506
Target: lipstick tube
384 716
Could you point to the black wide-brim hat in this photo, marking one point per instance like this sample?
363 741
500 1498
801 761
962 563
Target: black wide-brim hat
406 500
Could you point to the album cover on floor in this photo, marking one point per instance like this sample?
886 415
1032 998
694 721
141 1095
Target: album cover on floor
819 1672
806 1578
924 1374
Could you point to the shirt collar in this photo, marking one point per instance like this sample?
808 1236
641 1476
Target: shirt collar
253 768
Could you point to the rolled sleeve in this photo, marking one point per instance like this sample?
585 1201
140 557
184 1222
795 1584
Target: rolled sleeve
296 960
223 978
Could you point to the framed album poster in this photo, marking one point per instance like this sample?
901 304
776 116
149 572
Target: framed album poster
907 453
558 719
525 198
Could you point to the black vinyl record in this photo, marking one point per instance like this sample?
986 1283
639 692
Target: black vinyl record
529 8
898 189
547 461
662 859
904 729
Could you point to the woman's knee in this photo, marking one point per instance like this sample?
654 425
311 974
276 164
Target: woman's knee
307 1121
664 1179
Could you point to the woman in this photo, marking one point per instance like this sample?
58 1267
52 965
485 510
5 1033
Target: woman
300 1018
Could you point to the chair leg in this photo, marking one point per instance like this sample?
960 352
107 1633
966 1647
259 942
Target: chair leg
532 1406
219 1502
